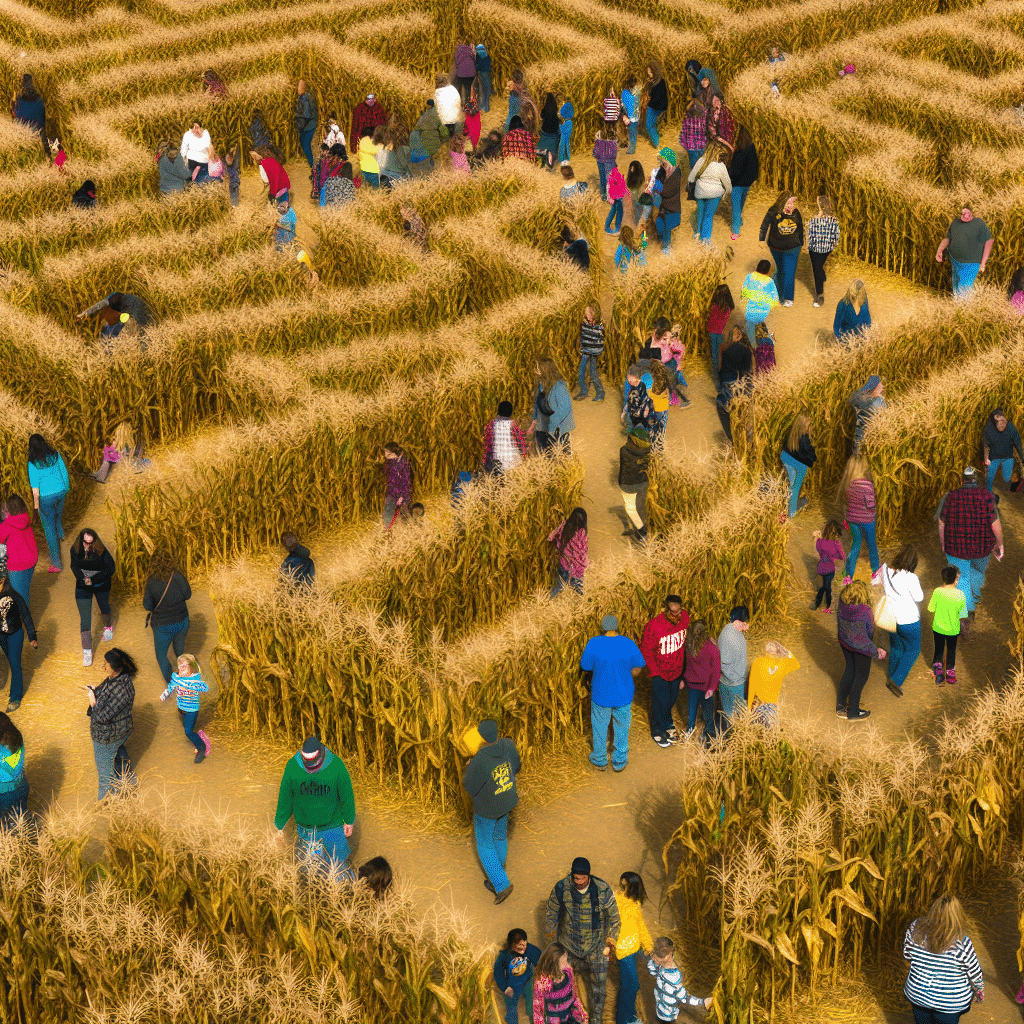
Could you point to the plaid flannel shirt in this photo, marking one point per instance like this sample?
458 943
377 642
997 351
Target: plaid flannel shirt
822 234
726 128
694 132
574 558
576 927
497 449
967 517
519 143
111 716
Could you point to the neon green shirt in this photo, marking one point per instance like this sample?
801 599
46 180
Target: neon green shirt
949 606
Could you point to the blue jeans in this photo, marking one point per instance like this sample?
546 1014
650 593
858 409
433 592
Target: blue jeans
972 577
328 845
693 155
633 125
732 697
716 347
614 218
706 217
512 1004
785 271
739 200
904 650
12 647
620 719
603 171
752 325
707 706
492 848
665 224
485 91
859 532
994 466
306 142
163 637
595 379
629 988
188 722
925 1016
108 757
651 124
796 471
964 275
563 143
371 179
563 579
21 581
51 512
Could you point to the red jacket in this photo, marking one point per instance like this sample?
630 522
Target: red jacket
22 550
704 671
663 647
277 176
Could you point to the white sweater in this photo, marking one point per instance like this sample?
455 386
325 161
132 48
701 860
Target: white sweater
448 104
197 149
714 181
904 591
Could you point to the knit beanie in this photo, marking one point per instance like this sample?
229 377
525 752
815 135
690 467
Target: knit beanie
312 754
488 730
668 155
581 866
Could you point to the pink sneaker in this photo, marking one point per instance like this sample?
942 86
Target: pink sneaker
54 568
206 740
847 580
734 237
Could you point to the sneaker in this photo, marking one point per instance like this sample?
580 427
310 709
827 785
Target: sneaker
827 611
54 568
685 403
598 398
875 577
895 690
847 580
502 896
840 712
937 671
816 303
86 658
581 396
489 885
860 716
108 634
599 767
734 237
199 758
788 302
13 706
951 676
662 741
206 740
618 767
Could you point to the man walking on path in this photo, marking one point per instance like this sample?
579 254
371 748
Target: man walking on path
969 531
490 779
317 790
613 662
969 242
732 645
583 912
664 650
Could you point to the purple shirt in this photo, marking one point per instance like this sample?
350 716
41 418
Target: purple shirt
399 479
856 629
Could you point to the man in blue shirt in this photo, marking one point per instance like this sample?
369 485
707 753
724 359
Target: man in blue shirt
613 662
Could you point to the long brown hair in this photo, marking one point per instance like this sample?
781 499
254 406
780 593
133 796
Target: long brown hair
10 735
162 566
696 637
801 426
856 468
547 966
941 926
97 545
549 375
722 298
780 201
15 506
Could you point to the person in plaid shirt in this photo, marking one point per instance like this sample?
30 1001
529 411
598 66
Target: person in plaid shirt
822 238
505 444
582 909
693 135
518 142
571 537
970 532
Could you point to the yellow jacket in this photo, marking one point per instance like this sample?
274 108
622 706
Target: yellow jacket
633 931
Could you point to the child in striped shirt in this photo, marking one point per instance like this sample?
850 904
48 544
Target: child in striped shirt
669 993
187 684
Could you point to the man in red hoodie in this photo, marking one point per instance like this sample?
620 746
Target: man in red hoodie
664 651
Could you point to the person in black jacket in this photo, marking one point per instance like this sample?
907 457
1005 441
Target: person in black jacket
783 229
166 592
110 719
298 567
93 569
797 457
575 248
634 456
15 622
735 370
744 169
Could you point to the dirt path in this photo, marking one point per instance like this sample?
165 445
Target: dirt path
618 821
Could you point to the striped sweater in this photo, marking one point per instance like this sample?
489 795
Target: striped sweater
943 981
557 1001
187 689
669 993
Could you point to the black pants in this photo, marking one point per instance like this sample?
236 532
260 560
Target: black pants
553 442
465 87
852 684
664 693
947 642
818 267
722 408
825 590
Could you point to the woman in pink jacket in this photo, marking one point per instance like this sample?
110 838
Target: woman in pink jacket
857 492
22 551
701 675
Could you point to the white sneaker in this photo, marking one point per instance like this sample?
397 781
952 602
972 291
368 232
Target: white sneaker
108 634
86 658
876 577
788 302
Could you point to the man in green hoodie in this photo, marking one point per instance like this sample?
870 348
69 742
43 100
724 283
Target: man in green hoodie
317 790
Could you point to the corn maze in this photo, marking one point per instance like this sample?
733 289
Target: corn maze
263 403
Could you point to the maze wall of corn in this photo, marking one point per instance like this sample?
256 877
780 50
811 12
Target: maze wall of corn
263 404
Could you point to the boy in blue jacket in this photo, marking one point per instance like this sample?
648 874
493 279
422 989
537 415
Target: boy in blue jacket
513 972
567 113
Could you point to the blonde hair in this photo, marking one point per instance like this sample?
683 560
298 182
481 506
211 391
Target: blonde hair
193 664
801 426
857 294
714 153
855 593
941 926
825 206
856 469
123 437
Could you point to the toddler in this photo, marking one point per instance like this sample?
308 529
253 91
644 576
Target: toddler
513 972
669 993
187 683
830 551
949 606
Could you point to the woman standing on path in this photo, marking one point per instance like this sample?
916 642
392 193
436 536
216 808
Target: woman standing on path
783 229
48 478
552 407
903 589
166 592
711 181
22 551
634 456
999 441
852 314
822 238
856 627
110 719
945 976
797 457
547 145
701 675
762 297
744 170
93 568
14 786
657 100
397 484
570 538
15 622
633 936
735 370
856 492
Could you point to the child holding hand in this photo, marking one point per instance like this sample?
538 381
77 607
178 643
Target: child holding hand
513 973
187 684
669 993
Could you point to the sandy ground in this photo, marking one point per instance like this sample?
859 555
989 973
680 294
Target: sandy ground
619 821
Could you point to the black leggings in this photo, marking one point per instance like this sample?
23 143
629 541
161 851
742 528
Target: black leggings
84 602
818 267
825 590
852 684
947 642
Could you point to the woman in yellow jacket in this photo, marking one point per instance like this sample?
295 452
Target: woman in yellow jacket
633 936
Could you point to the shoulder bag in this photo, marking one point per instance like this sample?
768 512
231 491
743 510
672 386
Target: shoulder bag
884 610
150 615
